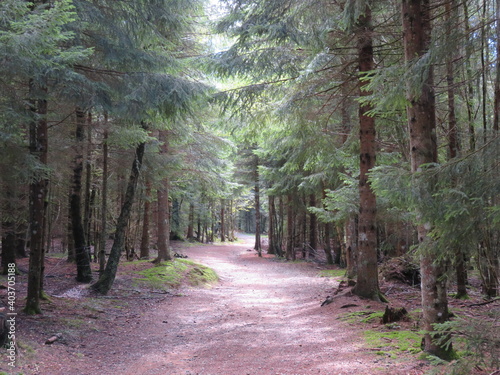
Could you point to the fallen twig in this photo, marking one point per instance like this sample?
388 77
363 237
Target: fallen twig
484 303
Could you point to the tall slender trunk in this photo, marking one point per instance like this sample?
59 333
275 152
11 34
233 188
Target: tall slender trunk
313 228
222 220
69 231
105 282
303 225
163 223
190 228
38 133
280 223
327 247
84 272
163 208
469 74
212 220
144 252
258 245
423 147
290 235
104 200
453 144
351 247
367 276
496 108
87 215
484 81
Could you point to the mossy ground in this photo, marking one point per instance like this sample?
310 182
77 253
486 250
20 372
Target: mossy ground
393 343
363 316
333 273
172 274
391 340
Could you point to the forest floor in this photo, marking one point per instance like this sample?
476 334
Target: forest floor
263 317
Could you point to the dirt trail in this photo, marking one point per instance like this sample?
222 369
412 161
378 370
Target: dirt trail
264 318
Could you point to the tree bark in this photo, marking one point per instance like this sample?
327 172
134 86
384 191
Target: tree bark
328 247
454 146
469 74
105 282
190 228
163 208
351 247
144 252
496 109
163 223
258 245
313 228
271 225
89 192
222 221
367 276
290 235
104 200
423 148
84 271
38 132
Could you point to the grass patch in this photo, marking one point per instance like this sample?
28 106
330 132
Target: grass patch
332 273
173 274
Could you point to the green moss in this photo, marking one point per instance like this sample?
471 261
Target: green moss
394 342
362 316
332 273
201 275
171 275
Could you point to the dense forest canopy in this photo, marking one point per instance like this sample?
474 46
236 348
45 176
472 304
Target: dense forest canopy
367 130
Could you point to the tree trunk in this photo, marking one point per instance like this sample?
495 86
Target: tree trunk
423 147
351 247
367 276
290 233
302 223
454 145
144 252
163 224
313 228
104 200
84 272
38 132
222 221
496 109
105 282
469 74
280 223
327 247
258 245
190 228
212 224
163 209
87 215
271 225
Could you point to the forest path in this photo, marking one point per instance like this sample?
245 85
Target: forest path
263 318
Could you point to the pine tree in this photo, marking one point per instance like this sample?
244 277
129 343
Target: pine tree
423 145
